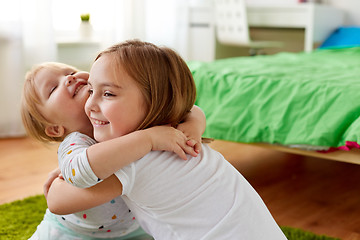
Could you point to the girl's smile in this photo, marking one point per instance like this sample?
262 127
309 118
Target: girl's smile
78 87
98 123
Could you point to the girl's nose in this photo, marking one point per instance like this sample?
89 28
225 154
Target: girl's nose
70 79
91 105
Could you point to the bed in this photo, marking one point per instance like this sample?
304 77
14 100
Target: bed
303 103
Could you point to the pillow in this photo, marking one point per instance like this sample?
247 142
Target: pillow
343 37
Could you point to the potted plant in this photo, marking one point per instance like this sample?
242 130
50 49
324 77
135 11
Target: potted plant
85 17
85 27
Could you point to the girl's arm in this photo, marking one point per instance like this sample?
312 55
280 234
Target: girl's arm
193 127
61 200
104 160
84 163
107 157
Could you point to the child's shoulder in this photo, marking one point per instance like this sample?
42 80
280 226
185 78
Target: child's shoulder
76 138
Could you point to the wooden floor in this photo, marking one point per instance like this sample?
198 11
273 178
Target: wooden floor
321 196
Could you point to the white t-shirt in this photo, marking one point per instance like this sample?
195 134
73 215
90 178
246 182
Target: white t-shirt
201 198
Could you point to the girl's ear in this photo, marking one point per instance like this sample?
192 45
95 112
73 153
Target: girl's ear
54 131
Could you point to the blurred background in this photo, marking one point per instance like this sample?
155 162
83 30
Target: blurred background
74 31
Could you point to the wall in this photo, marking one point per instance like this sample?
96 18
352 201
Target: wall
351 9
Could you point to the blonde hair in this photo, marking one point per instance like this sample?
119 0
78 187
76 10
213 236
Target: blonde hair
162 76
33 121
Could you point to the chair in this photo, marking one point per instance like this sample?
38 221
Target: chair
232 26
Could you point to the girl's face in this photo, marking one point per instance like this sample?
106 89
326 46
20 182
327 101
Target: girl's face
116 105
63 94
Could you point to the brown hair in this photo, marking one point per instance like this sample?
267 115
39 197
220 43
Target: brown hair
33 121
163 77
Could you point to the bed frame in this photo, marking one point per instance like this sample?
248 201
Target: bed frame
351 156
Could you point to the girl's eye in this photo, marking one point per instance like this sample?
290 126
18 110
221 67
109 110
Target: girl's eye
52 90
108 94
90 91
71 73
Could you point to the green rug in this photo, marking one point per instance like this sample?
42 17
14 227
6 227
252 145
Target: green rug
19 220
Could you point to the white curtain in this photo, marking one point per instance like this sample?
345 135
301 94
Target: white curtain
166 23
163 22
25 39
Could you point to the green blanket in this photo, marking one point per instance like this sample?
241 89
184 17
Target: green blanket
304 99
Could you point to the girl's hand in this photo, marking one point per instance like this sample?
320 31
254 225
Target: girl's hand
52 175
192 134
196 145
166 138
193 127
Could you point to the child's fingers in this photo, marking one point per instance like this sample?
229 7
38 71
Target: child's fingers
184 146
180 152
52 175
46 188
191 142
197 147
194 144
190 150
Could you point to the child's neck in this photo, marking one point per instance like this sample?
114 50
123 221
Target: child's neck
86 132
